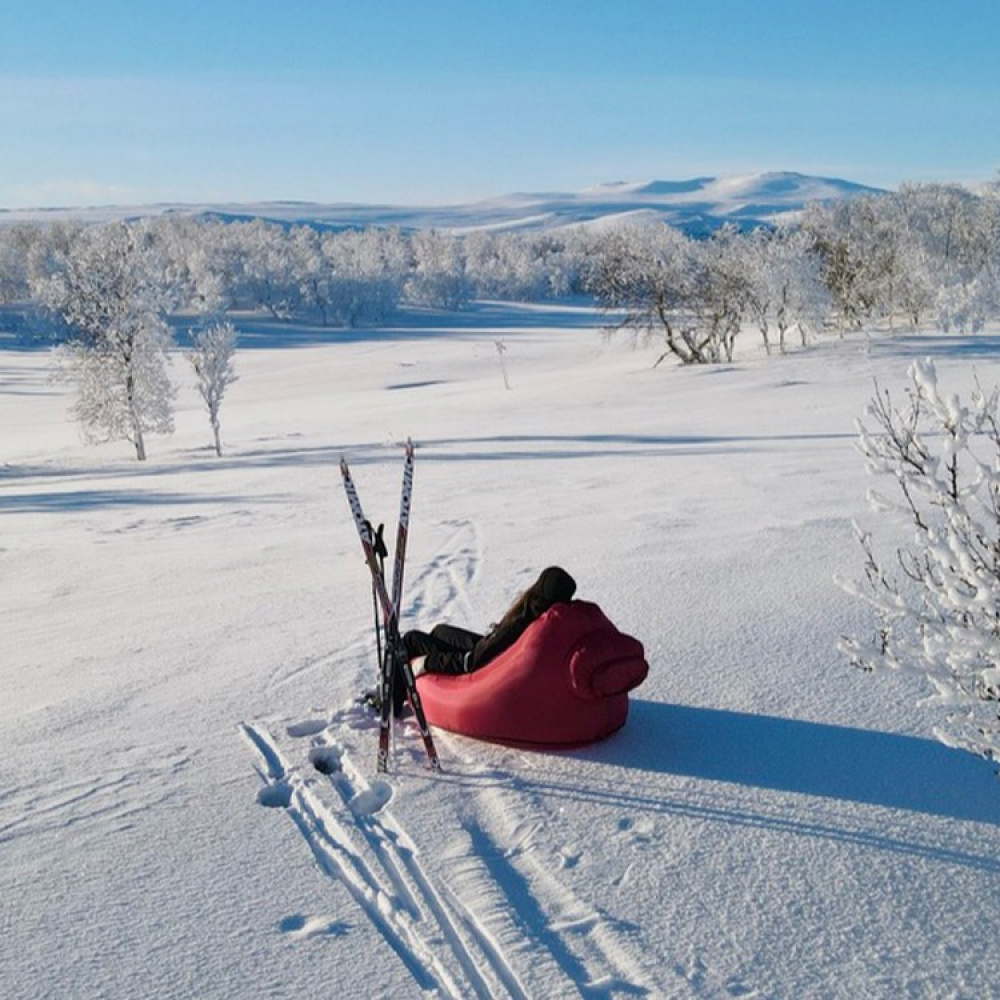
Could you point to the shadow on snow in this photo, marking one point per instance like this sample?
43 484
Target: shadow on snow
475 320
809 758
965 347
62 502
615 444
507 448
787 755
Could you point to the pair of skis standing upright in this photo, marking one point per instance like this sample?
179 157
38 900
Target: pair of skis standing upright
393 661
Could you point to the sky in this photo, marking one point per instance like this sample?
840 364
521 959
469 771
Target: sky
421 102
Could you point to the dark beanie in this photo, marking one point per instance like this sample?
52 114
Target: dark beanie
556 585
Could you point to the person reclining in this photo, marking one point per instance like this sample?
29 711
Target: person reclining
448 649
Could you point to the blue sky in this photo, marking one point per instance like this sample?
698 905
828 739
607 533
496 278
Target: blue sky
433 101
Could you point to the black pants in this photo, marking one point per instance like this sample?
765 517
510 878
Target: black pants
448 648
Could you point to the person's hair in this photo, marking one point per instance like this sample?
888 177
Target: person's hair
553 586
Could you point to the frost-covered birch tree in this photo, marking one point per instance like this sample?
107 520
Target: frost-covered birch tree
211 356
647 274
937 600
108 289
693 294
786 289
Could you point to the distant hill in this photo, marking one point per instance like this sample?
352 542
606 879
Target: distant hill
697 206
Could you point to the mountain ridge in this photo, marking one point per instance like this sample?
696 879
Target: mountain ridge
697 205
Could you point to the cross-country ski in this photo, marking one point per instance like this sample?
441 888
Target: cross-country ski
394 667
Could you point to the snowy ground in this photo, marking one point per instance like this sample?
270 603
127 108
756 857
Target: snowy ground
183 638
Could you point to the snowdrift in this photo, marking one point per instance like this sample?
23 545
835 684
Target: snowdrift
564 683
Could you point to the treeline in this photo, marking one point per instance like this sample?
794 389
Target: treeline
348 278
929 253
925 253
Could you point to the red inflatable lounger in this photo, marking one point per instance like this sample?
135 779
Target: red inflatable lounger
564 683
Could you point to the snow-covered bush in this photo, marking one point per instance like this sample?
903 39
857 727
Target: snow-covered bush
211 356
937 601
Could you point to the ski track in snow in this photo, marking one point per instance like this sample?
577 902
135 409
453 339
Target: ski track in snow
498 924
529 902
326 661
581 938
440 941
443 584
578 940
118 793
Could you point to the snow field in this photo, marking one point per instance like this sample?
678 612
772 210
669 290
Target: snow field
183 640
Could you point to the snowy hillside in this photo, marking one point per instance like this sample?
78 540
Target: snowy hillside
183 640
696 206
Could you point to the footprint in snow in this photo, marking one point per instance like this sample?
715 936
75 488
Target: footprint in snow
569 857
737 988
309 727
371 800
639 832
327 760
275 796
299 926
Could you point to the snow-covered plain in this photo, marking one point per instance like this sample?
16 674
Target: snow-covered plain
183 639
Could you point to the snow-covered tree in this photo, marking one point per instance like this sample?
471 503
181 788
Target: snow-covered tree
364 276
937 601
16 243
438 277
271 274
858 254
523 267
926 246
47 253
722 290
786 287
693 295
201 269
108 290
211 356
645 273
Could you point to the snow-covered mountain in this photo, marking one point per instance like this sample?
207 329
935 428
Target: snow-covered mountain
697 206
